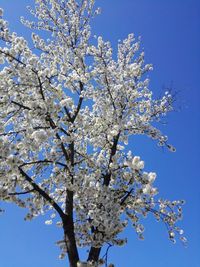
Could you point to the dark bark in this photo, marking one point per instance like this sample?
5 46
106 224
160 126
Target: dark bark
107 176
69 224
94 254
42 193
20 105
72 250
79 104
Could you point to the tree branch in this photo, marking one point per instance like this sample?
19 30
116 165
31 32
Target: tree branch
94 254
43 161
107 176
79 103
43 194
20 105
126 196
21 193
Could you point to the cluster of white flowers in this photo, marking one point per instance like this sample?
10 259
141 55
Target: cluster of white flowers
137 164
65 123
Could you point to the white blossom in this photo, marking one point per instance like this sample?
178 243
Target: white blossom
1 12
39 135
147 189
66 102
137 164
151 177
67 110
48 222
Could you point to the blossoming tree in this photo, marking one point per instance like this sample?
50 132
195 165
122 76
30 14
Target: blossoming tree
67 110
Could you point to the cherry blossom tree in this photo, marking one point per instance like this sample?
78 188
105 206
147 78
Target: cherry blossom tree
67 109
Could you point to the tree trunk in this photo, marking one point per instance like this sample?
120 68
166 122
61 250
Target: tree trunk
72 250
94 254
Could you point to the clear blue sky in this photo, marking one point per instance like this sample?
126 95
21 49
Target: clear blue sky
170 33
